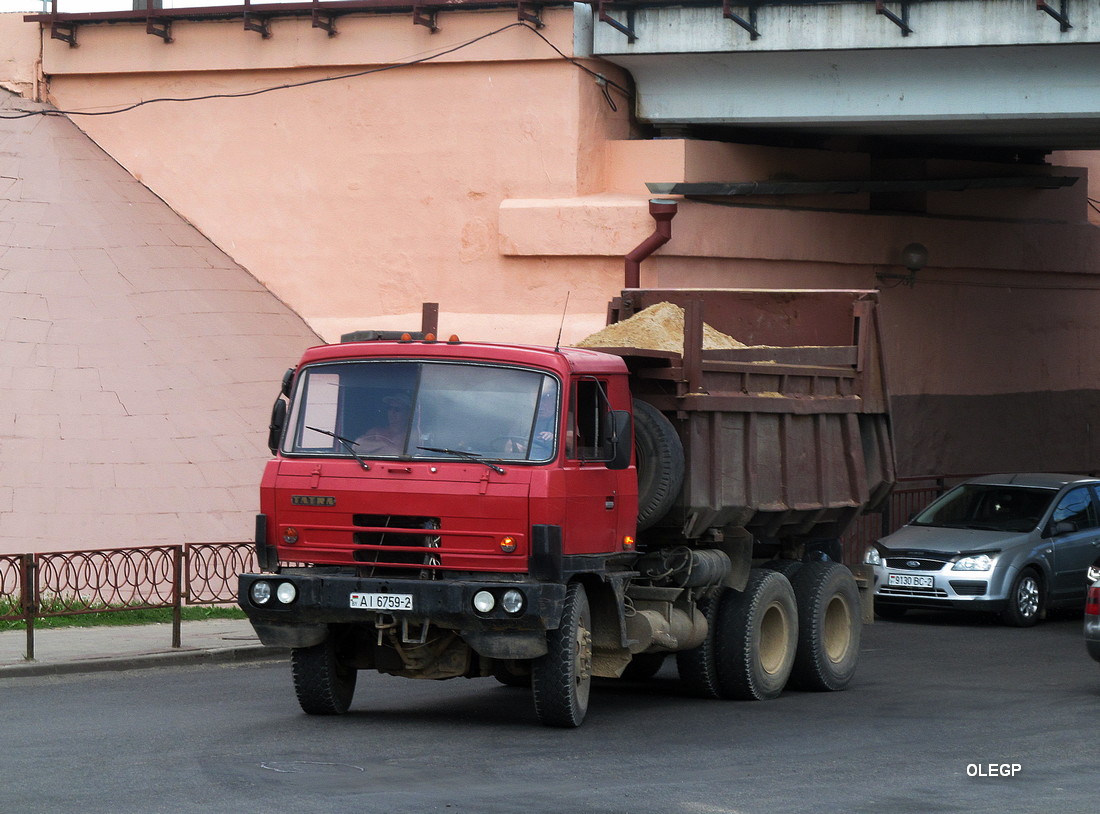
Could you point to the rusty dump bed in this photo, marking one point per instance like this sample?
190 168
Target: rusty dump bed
789 438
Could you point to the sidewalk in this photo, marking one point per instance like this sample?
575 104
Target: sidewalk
95 649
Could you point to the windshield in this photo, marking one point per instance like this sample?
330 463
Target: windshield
989 507
424 410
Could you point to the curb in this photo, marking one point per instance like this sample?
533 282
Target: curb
145 661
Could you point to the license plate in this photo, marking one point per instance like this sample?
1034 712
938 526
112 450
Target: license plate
909 581
382 602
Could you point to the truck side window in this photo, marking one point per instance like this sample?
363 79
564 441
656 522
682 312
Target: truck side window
588 437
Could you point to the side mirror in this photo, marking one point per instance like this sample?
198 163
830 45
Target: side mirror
1062 527
275 428
622 439
288 379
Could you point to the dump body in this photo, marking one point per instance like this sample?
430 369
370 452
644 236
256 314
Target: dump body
788 438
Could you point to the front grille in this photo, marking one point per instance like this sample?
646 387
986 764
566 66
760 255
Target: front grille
914 564
386 542
894 590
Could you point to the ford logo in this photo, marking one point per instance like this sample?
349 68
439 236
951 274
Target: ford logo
912 563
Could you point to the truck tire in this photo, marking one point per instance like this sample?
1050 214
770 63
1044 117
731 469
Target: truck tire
787 568
644 666
751 641
698 667
660 460
324 681
512 673
757 637
561 680
829 627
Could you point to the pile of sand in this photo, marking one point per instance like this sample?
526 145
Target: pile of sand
659 327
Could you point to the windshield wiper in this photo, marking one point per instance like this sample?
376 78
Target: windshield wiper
470 456
348 445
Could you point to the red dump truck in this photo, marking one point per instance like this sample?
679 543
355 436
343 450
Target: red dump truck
440 509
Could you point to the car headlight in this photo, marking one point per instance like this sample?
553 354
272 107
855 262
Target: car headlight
975 562
872 557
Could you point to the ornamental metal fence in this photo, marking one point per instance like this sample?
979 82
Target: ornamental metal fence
72 583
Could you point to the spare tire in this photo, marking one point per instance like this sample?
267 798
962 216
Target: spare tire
660 461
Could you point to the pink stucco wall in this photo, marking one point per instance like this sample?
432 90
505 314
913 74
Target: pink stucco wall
497 179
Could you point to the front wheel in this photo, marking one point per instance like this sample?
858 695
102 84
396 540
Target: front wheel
324 679
561 680
1026 600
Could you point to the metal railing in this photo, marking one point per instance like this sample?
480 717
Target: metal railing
71 583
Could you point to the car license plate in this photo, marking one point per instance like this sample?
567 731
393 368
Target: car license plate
382 602
909 581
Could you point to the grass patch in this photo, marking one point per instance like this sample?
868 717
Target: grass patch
189 613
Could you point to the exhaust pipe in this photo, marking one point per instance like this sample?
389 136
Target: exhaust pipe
662 212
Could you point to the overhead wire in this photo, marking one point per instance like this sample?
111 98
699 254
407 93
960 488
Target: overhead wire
602 80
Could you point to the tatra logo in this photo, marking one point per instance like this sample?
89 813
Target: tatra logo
312 500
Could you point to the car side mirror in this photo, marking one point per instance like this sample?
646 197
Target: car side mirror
1062 527
622 441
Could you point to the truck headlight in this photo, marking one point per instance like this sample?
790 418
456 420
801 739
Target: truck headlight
512 601
286 592
260 592
975 562
484 602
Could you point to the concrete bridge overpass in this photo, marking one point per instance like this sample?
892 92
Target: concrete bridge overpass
1002 75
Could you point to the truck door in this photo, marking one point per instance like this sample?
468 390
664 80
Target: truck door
594 497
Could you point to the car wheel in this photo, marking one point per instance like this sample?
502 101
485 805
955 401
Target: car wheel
561 680
1026 600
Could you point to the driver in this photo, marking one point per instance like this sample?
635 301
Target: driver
388 438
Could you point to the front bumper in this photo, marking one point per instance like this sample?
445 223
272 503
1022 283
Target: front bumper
323 599
981 591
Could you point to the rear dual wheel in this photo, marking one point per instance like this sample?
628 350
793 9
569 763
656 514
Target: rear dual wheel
751 642
830 623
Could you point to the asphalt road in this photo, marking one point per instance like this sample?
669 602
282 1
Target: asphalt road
943 707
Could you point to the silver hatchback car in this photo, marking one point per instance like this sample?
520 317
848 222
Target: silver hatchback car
1014 545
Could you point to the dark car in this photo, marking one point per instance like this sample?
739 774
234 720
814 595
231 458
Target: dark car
1014 545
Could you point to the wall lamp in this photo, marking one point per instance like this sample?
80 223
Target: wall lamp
914 257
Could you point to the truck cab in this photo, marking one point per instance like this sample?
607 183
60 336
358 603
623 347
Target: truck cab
436 497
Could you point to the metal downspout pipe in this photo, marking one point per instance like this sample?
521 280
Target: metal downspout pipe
662 211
